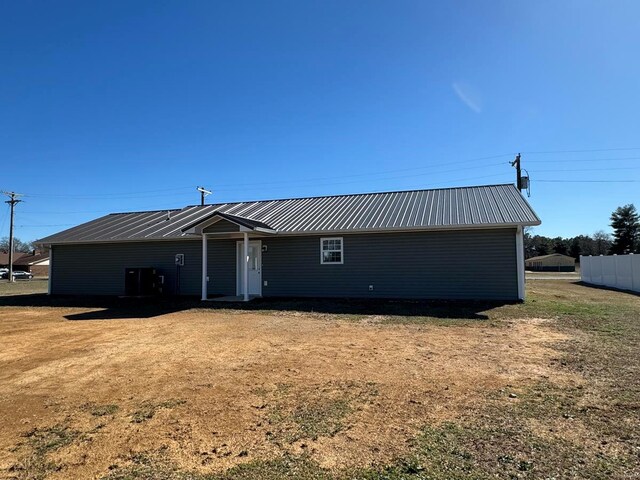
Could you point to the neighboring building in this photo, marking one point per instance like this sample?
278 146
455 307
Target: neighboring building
36 263
556 262
454 243
4 258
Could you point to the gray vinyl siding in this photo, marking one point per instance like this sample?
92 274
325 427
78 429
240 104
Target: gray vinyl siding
221 267
222 226
98 269
473 264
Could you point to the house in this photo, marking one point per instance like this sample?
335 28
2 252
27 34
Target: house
4 258
35 263
452 243
555 262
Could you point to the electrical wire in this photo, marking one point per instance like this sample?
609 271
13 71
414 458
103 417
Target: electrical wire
4 219
575 170
131 195
587 181
302 182
384 172
43 225
583 160
580 151
107 195
313 182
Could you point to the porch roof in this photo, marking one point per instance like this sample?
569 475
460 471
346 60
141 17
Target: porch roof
248 223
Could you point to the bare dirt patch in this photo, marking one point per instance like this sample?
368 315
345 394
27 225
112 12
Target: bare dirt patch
213 389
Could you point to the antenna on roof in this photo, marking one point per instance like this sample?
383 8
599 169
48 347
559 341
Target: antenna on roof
203 193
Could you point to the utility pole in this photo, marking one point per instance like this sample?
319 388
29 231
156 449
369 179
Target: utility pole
516 163
203 193
12 201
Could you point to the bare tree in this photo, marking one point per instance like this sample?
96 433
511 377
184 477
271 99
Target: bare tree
18 245
601 242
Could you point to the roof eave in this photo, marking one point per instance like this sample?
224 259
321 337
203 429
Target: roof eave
435 228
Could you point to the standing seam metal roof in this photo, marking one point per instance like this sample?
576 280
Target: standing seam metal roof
489 205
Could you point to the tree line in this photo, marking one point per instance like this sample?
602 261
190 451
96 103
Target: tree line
625 222
18 245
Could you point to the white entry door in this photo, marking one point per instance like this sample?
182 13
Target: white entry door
255 267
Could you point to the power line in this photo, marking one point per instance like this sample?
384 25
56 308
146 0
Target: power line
585 160
383 172
47 225
397 177
4 219
132 195
161 192
588 181
578 170
430 170
582 151
422 185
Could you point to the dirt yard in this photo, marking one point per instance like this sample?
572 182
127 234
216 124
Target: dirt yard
188 393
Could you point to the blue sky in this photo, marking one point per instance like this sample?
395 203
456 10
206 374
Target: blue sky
118 106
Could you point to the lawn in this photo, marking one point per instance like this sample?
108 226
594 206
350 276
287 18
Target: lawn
114 389
23 287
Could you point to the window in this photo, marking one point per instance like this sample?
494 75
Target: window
331 250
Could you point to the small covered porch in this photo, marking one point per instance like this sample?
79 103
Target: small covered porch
248 235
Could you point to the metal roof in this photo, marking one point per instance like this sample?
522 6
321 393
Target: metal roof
551 255
445 208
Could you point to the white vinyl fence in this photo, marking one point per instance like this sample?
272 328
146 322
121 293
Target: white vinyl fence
617 271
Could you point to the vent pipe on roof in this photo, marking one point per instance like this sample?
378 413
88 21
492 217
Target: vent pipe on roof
168 215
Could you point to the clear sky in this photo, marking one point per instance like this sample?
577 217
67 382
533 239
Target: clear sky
129 105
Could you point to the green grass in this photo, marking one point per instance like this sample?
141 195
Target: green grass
319 410
309 419
102 410
44 440
40 442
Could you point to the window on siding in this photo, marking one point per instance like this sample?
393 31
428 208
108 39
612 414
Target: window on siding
331 250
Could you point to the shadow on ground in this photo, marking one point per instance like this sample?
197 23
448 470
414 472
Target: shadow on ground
106 308
611 289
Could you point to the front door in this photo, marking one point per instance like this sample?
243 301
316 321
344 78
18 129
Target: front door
255 267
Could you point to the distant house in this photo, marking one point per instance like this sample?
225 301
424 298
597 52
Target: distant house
4 258
36 263
554 262
451 243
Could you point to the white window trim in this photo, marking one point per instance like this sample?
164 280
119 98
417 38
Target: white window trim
322 262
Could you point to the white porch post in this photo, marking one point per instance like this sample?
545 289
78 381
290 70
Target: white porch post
204 267
520 262
245 267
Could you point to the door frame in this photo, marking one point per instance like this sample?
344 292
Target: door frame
239 255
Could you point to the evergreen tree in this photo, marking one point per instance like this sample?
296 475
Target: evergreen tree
625 222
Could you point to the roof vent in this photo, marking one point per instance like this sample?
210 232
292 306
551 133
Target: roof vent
168 215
